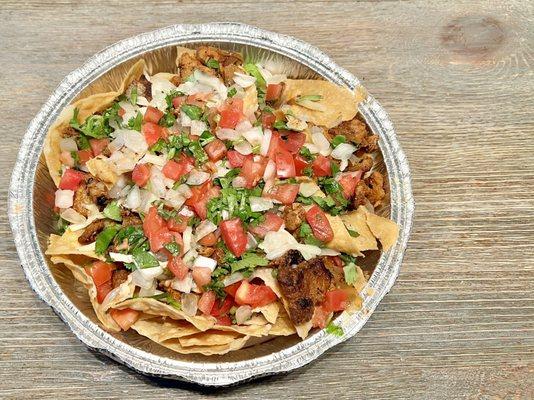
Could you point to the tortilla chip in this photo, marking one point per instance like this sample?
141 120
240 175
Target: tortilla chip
161 329
266 275
209 338
342 240
180 50
339 103
174 344
384 229
104 171
270 311
154 307
86 107
250 101
67 244
283 325
356 220
304 329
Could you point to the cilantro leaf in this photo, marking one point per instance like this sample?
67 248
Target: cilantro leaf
248 262
212 63
192 111
334 329
350 273
113 211
105 237
352 233
135 122
206 137
232 92
338 140
133 96
173 247
253 70
280 125
144 259
306 153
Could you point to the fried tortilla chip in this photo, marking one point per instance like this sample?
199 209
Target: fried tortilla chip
283 325
104 171
384 229
337 104
161 329
67 244
356 221
209 338
86 107
174 344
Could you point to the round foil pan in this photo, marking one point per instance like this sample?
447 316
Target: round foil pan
31 201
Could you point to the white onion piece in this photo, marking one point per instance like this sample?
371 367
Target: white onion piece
205 262
183 285
244 148
225 215
243 126
270 170
239 182
142 101
252 243
197 127
149 158
275 244
227 134
189 257
260 204
160 88
329 252
204 228
117 143
312 148
233 278
185 120
157 182
221 169
133 140
64 198
187 238
343 165
144 277
244 80
343 151
308 189
151 291
253 135
212 82
197 177
184 190
189 304
174 198
72 216
186 212
68 144
243 314
133 200
265 142
320 140
147 198
125 258
115 191
130 111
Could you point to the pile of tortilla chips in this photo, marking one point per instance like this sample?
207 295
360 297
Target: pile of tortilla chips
167 324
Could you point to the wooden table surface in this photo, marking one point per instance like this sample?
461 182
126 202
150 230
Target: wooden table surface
457 79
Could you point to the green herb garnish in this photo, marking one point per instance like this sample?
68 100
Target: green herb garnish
334 329
113 211
105 237
192 111
350 273
212 63
232 92
338 140
173 248
144 259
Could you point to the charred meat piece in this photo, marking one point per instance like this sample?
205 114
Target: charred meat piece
69 131
229 62
130 218
218 255
118 277
365 164
205 251
356 132
188 63
143 86
338 276
82 199
92 191
304 286
91 232
371 188
294 215
292 257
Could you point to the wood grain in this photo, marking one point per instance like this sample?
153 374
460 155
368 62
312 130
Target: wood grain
457 80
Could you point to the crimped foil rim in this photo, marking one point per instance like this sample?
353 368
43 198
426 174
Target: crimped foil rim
209 374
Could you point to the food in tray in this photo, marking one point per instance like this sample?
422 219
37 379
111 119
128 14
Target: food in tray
217 205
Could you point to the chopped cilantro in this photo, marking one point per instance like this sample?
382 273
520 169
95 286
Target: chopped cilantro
253 70
347 258
167 120
133 96
338 140
280 125
206 137
306 234
173 247
306 153
134 237
232 92
83 142
144 259
192 111
350 273
217 286
226 181
248 262
97 126
308 171
212 63
105 237
198 152
334 329
113 211
167 298
135 122
352 233
61 225
170 97
236 202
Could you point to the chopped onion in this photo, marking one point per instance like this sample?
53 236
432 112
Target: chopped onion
157 182
68 144
184 190
133 140
125 258
212 82
244 148
151 291
270 170
205 262
143 101
244 80
189 304
312 148
329 252
343 151
185 120
133 200
260 204
227 134
115 191
147 198
187 238
221 169
130 111
72 216
149 158
265 142
117 143
197 127
204 228
183 285
174 198
64 198
308 188
343 165
242 314
243 126
320 140
252 243
277 243
189 257
186 211
253 135
233 278
160 87
239 182
197 177
144 277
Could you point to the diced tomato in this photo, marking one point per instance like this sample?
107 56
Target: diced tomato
206 302
209 240
100 271
222 306
200 197
198 99
272 222
121 112
319 224
71 179
215 150
84 156
275 144
254 295
177 266
253 171
176 169
231 289
336 300
98 145
337 261
141 174
125 318
234 236
66 159
201 276
178 101
178 224
153 222
236 159
320 317
285 166
153 115
103 290
321 166
348 182
285 194
273 91
295 141
300 165
224 320
152 132
160 238
267 120
231 113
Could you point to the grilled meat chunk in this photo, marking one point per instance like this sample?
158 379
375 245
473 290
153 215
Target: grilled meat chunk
130 218
91 232
229 62
294 215
69 131
205 251
371 188
304 286
143 86
365 164
118 277
92 191
188 63
356 132
291 257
